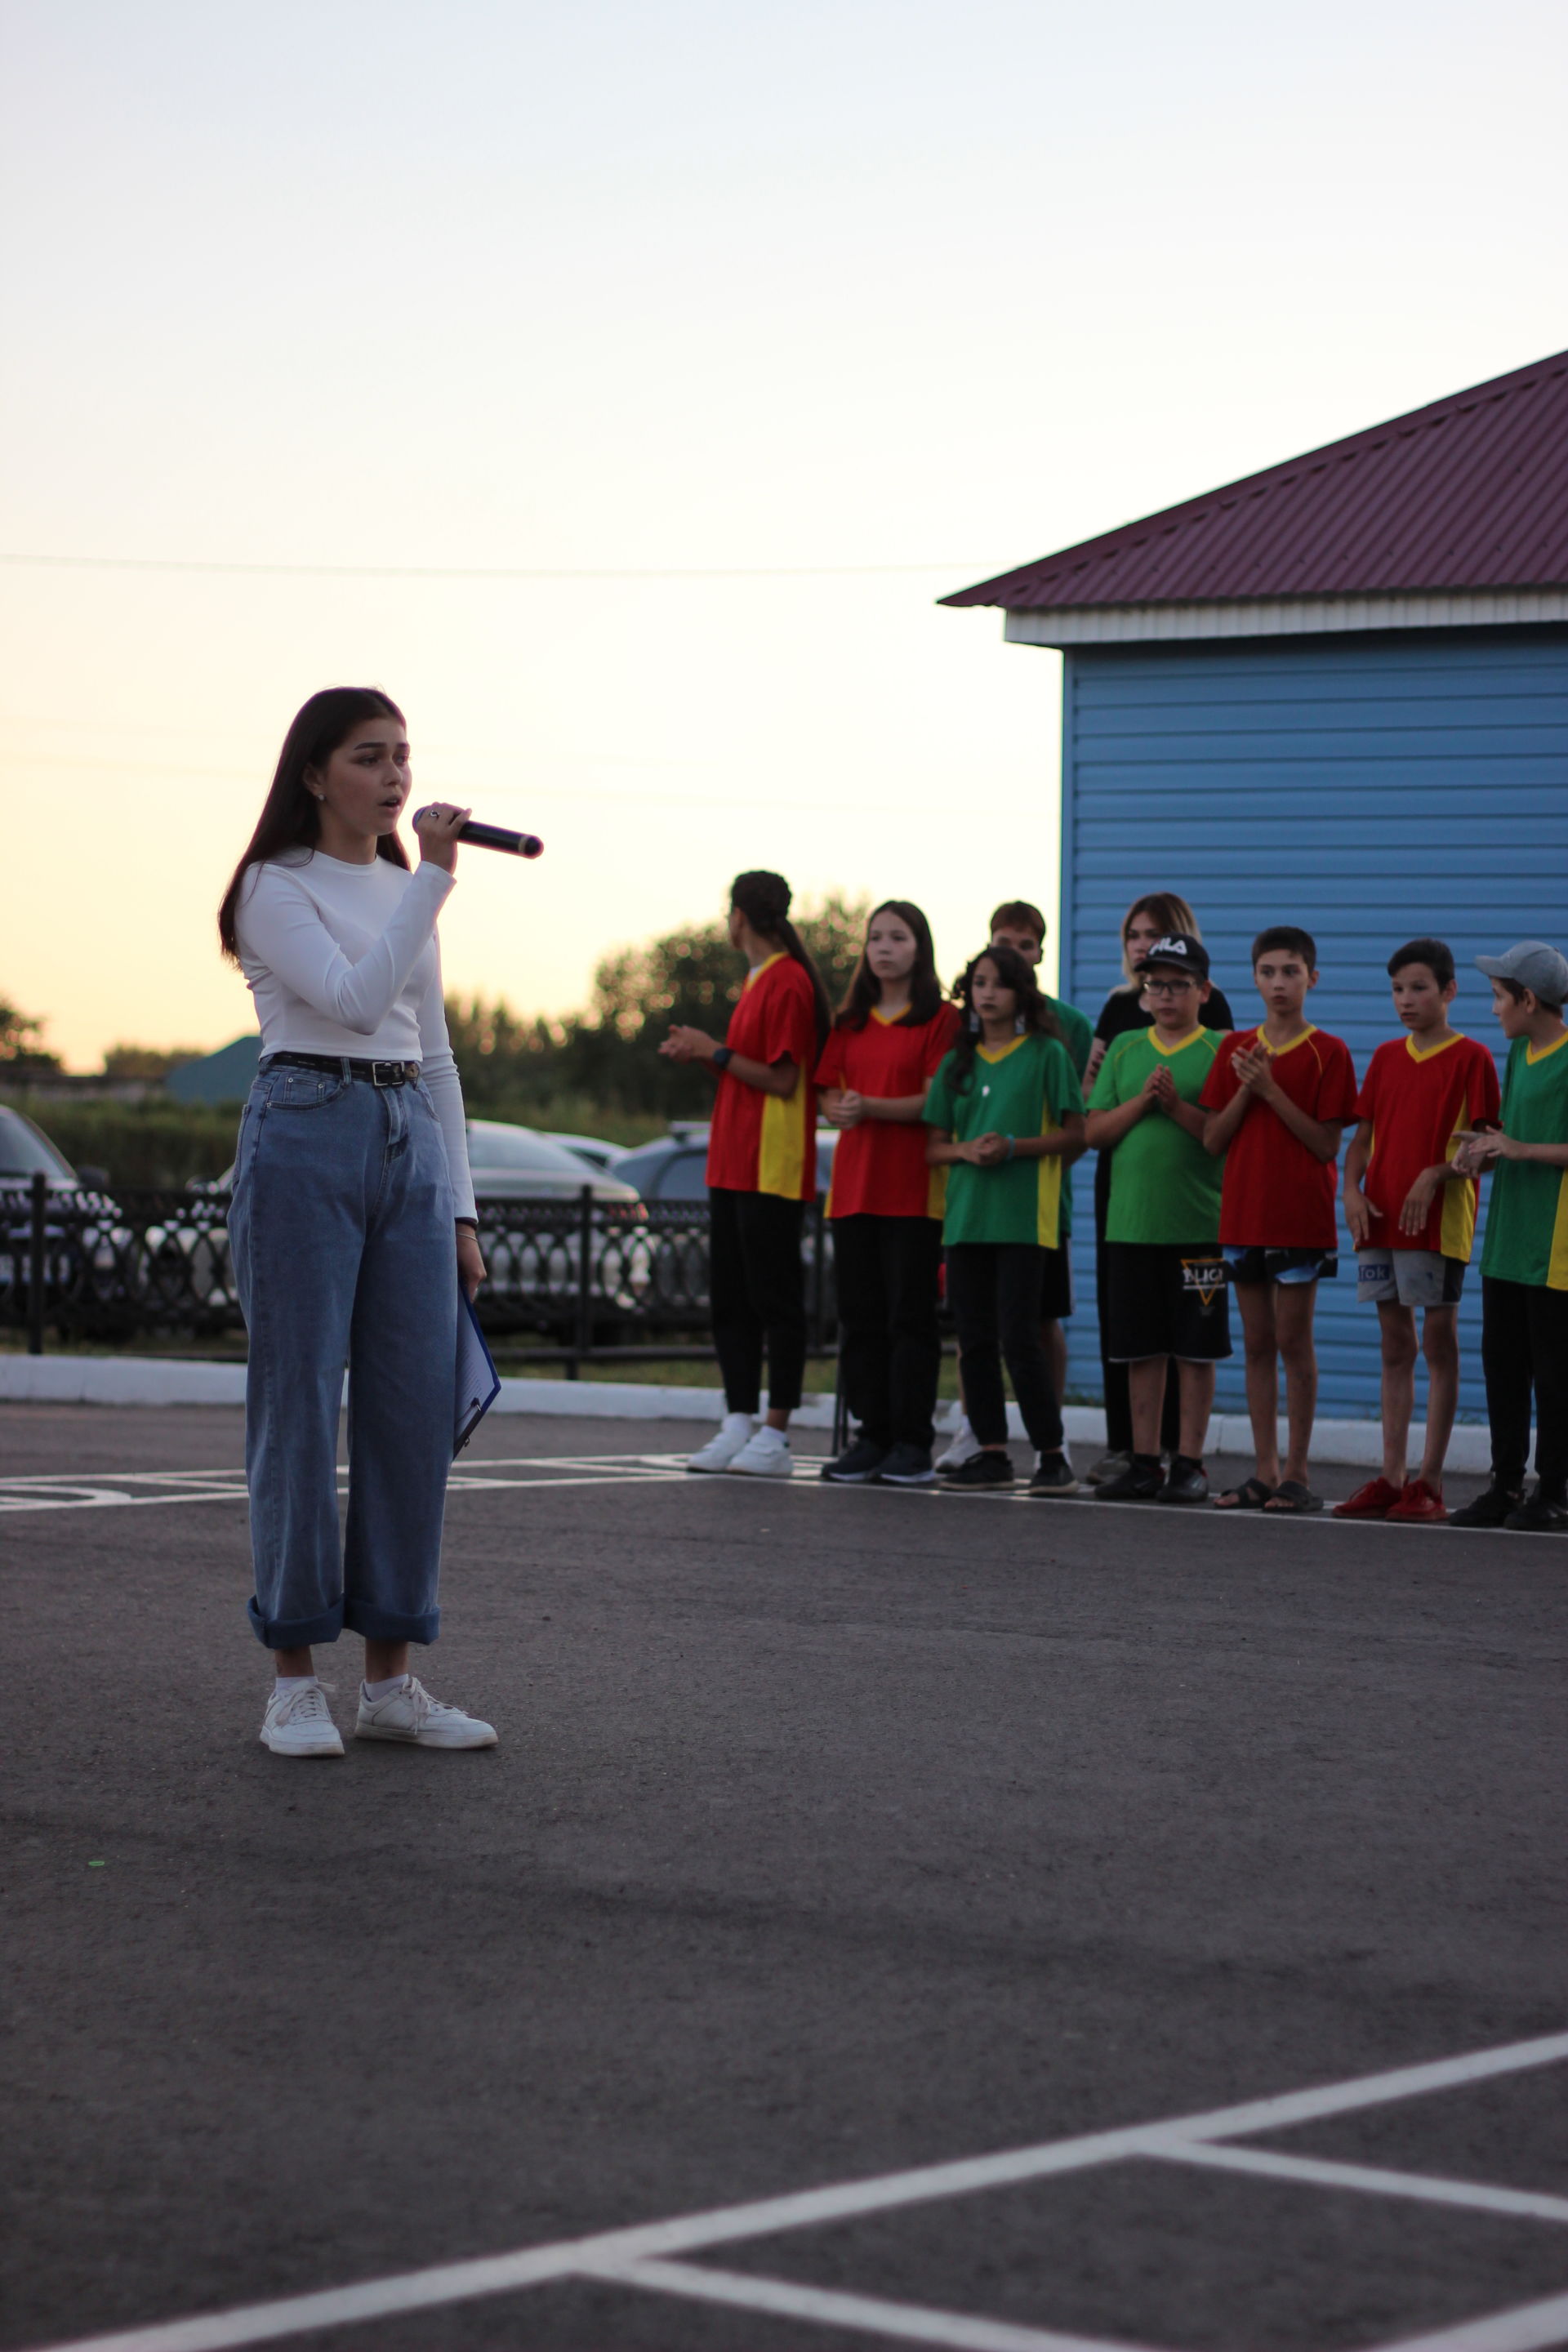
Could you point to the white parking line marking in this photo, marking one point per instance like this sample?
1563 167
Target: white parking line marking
830 2307
1373 2180
1531 2328
450 2283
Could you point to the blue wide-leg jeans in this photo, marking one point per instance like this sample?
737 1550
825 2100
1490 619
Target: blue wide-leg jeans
344 1254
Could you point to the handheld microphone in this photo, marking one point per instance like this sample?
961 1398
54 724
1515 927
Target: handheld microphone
495 837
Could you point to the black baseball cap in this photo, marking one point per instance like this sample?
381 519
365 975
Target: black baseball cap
1178 951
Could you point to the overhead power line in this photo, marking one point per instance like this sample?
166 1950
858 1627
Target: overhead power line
470 571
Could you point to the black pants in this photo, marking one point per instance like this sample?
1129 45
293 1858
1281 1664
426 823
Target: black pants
890 1349
1113 1377
994 1290
1524 1346
756 1289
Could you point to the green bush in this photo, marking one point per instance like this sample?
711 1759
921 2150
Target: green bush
152 1143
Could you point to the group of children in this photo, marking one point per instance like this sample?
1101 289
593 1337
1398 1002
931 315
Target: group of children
958 1121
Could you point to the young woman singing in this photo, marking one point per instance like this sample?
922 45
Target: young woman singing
886 1204
353 1221
762 1170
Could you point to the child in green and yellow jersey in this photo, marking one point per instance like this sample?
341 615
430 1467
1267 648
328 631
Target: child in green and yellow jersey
1524 1261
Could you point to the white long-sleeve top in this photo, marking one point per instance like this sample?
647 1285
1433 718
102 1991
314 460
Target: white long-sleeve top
344 960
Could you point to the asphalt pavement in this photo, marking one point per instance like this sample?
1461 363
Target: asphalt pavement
831 1833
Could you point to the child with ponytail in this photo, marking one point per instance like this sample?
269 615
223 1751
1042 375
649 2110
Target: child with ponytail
762 1170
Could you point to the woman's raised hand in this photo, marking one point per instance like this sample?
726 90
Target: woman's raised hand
436 829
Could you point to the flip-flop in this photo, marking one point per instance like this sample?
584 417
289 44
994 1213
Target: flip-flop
1290 1495
1249 1497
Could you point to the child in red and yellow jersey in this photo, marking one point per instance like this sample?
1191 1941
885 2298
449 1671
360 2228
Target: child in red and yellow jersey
761 1169
1279 1098
885 1203
1412 1217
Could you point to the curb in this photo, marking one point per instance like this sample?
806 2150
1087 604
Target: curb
158 1380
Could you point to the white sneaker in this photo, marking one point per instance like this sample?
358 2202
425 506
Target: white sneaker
964 1447
298 1721
411 1715
767 1455
736 1431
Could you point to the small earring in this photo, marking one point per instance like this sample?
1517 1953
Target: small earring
1019 1025
974 1020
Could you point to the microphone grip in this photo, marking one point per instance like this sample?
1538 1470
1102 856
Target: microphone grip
499 837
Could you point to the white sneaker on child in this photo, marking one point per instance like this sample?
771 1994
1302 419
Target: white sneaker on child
965 1445
766 1455
736 1431
409 1713
298 1721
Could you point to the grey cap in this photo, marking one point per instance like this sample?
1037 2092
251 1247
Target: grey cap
1534 965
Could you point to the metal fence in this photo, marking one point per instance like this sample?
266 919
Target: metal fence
570 1281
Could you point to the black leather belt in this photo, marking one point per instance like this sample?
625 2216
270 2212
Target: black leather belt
377 1074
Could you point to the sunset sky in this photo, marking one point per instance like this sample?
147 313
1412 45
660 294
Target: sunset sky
851 303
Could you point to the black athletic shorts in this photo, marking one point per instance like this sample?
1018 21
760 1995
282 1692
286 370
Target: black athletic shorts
1056 1285
1162 1300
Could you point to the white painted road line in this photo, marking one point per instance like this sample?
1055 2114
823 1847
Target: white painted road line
1371 2180
423 2290
1532 2327
830 2307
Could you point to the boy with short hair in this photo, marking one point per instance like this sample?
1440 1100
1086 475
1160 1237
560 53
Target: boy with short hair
1018 924
1279 1096
1524 1262
1411 1218
1165 1287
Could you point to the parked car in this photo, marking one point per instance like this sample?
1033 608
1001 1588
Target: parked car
589 1147
517 1163
85 1250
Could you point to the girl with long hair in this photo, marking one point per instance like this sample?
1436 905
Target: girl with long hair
1157 915
762 1170
1006 1117
885 1205
353 1221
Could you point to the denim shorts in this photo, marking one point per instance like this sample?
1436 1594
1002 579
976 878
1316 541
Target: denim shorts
1252 1263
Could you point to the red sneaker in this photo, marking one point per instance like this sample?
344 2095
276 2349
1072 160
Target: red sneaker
1420 1501
1375 1500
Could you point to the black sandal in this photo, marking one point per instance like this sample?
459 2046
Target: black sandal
1291 1496
1250 1495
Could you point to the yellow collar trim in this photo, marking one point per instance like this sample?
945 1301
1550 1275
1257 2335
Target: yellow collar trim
757 970
1531 1057
1000 1053
1279 1051
1182 1043
1413 1050
887 1020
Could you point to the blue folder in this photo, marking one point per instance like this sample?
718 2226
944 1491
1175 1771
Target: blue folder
478 1382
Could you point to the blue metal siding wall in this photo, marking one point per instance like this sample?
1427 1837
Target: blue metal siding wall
1369 788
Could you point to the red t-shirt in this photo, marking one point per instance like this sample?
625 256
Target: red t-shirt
1417 1103
758 1142
1276 1196
879 1167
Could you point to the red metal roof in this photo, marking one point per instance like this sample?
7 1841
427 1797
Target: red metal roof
1470 493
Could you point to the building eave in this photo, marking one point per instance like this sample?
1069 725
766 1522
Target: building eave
1127 624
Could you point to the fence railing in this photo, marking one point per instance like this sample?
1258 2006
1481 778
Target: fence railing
571 1280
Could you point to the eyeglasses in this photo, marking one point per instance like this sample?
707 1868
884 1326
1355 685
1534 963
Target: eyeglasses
1167 987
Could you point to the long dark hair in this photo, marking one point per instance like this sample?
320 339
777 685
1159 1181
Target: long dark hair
1033 1008
291 816
764 900
865 989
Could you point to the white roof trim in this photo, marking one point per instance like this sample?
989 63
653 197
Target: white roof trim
1125 624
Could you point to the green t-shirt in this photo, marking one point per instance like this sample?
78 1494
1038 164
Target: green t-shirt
1164 1187
1527 1215
1026 1088
1077 1036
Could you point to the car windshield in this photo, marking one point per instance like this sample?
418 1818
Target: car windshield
24 1152
493 1145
